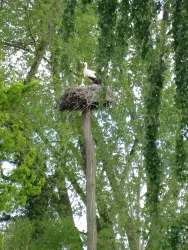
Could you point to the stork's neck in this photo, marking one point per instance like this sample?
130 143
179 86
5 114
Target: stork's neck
85 65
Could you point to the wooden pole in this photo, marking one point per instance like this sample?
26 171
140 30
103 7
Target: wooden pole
90 180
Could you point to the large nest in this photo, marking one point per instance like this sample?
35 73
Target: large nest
82 97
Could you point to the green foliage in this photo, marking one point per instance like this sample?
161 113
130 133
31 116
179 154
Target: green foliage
55 235
140 142
124 24
152 107
180 33
14 147
18 234
68 18
107 21
143 13
181 156
58 234
1 241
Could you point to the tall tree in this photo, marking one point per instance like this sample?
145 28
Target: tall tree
141 142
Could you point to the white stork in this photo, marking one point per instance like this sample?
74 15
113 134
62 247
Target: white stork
91 75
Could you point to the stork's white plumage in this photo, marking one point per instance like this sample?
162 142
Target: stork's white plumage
88 72
91 75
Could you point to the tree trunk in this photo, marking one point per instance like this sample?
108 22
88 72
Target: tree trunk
40 51
90 180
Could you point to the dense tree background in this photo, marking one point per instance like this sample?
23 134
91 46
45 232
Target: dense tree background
140 50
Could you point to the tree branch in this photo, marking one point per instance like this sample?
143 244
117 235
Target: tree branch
17 45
